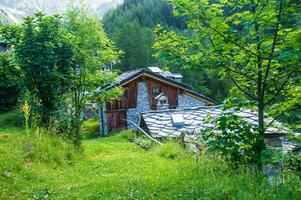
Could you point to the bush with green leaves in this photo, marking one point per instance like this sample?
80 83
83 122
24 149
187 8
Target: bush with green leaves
293 161
42 50
232 136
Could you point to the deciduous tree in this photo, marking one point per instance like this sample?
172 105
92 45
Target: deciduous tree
254 43
91 50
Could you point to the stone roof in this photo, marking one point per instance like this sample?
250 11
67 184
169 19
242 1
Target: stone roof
128 74
160 123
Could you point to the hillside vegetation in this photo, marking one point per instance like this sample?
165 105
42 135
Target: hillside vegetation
41 166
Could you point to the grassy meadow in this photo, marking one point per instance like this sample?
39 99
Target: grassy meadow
38 165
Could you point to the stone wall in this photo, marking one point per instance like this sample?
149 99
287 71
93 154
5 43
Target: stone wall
185 101
133 114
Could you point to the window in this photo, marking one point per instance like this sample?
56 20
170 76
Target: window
156 91
125 94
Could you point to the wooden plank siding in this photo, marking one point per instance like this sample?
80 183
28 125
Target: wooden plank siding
170 91
130 101
116 120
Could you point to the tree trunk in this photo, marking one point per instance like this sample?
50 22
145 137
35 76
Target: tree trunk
76 122
260 144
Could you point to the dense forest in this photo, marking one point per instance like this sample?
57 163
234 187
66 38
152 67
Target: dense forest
131 25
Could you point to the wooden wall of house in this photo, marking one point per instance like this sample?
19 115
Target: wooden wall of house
129 100
116 120
169 90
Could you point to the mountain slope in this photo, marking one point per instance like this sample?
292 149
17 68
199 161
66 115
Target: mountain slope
15 10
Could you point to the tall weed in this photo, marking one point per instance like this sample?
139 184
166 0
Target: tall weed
42 146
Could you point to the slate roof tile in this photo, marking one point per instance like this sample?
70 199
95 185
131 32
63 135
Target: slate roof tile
160 122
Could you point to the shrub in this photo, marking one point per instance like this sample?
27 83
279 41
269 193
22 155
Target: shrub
11 119
232 136
170 150
144 142
128 134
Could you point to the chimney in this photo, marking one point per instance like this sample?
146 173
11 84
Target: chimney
162 102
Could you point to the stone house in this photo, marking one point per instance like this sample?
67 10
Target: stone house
146 90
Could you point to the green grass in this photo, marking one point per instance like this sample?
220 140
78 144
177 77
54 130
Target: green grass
90 128
115 168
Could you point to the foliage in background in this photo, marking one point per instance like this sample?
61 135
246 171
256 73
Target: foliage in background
10 82
131 25
135 41
255 44
11 119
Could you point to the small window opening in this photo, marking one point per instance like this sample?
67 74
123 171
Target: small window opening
156 91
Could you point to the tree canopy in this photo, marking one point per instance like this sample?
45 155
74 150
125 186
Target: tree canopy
254 43
60 59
